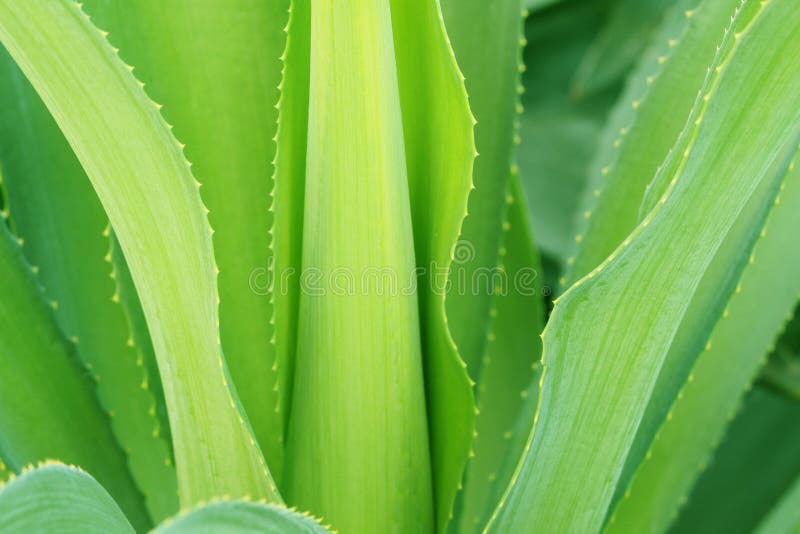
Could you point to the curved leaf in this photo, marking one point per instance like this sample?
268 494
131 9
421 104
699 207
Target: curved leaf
785 517
598 376
151 197
58 498
639 134
240 517
735 350
48 404
511 364
46 187
237 43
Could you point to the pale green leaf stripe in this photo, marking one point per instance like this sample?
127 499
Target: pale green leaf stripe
485 37
619 44
734 353
439 147
785 517
237 43
58 498
241 517
48 404
598 377
358 451
288 197
145 185
509 365
46 187
639 134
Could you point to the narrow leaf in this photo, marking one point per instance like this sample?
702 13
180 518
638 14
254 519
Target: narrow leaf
491 67
439 149
237 42
639 134
358 451
48 404
510 365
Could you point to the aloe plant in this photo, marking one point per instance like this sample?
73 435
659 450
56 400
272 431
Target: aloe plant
399 266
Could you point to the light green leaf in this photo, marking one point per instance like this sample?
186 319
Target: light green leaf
358 452
240 517
755 465
48 404
58 498
149 193
599 376
46 187
439 148
510 365
735 350
486 38
238 43
639 135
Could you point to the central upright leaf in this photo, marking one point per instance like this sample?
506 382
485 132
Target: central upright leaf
358 449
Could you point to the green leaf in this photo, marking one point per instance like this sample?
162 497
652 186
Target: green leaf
288 196
486 38
238 43
48 405
510 365
358 417
47 186
240 517
755 465
625 34
610 333
782 371
639 135
765 295
147 189
784 518
439 149
137 324
558 131
58 498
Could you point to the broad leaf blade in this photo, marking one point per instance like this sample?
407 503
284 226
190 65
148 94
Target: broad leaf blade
57 498
151 197
610 333
358 452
